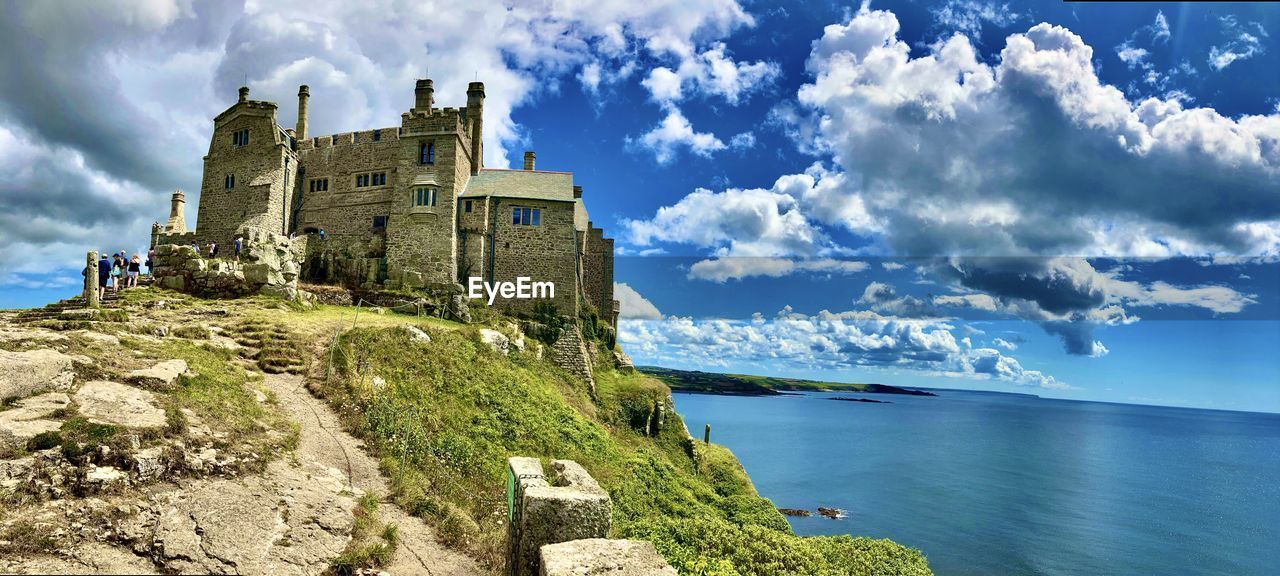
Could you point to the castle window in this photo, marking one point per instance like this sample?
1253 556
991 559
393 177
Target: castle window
526 216
379 223
377 135
427 153
380 179
466 206
319 184
425 196
362 180
229 182
240 138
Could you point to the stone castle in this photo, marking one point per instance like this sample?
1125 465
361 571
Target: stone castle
409 206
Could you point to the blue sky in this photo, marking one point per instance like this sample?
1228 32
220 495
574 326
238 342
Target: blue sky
1078 200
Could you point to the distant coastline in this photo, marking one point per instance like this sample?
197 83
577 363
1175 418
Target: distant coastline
749 385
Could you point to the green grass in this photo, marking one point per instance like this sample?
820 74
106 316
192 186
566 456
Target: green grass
452 411
372 542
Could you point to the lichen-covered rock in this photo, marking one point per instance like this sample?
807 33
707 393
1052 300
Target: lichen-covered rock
417 334
496 340
120 405
33 371
162 376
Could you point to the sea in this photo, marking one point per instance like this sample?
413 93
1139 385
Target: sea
1008 484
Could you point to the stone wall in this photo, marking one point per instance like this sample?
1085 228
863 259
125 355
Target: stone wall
597 273
344 209
570 352
558 525
265 172
268 265
545 253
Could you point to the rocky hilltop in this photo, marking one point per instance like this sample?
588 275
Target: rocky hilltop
165 433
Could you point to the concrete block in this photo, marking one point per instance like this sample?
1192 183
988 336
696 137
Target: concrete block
600 556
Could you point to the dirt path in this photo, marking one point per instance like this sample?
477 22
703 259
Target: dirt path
322 440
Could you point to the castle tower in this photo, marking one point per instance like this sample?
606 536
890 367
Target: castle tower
304 94
177 223
475 113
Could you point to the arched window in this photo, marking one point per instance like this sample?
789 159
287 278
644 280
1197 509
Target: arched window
427 153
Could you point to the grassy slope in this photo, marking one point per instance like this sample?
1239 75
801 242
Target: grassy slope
451 412
747 384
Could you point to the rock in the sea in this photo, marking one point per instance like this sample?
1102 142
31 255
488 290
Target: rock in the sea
795 512
33 371
496 340
163 376
113 403
832 513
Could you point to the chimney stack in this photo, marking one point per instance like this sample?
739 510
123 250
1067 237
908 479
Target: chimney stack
177 223
424 96
528 160
475 115
244 93
577 192
304 94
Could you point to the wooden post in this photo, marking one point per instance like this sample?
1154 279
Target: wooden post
91 280
706 434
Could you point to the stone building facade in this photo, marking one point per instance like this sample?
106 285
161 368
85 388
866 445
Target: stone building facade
408 206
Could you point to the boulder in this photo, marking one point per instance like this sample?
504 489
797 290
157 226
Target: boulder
33 371
496 340
149 463
163 376
120 405
417 334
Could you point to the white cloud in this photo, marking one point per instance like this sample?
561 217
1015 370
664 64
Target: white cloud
1007 345
632 305
712 73
969 16
892 266
1244 41
826 340
736 268
743 141
674 134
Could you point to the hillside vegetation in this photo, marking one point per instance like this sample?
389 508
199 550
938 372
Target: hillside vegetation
443 416
751 385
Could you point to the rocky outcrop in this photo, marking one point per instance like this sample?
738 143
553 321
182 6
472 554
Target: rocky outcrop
268 265
120 405
28 418
162 376
33 371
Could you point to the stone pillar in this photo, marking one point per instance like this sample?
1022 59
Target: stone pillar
300 130
569 506
91 280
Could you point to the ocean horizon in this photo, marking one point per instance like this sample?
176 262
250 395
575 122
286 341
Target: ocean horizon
1015 484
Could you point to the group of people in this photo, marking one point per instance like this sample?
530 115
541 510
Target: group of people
213 248
119 270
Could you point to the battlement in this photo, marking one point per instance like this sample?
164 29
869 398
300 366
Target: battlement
385 135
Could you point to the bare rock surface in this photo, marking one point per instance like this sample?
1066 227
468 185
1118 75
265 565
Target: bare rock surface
33 371
13 334
496 340
162 376
100 338
118 404
28 418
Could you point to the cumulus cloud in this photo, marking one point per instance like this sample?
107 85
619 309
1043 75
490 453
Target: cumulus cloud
137 83
969 16
1155 33
632 305
736 268
1007 345
674 134
826 340
712 73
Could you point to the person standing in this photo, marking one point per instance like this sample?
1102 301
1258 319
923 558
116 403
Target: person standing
104 273
135 268
117 271
239 243
151 258
213 250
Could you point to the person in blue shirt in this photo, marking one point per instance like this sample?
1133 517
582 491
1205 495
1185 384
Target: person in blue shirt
104 272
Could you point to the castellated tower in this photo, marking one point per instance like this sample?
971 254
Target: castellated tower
248 173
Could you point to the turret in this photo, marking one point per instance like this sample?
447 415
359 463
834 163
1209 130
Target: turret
304 94
177 223
424 96
244 94
475 113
